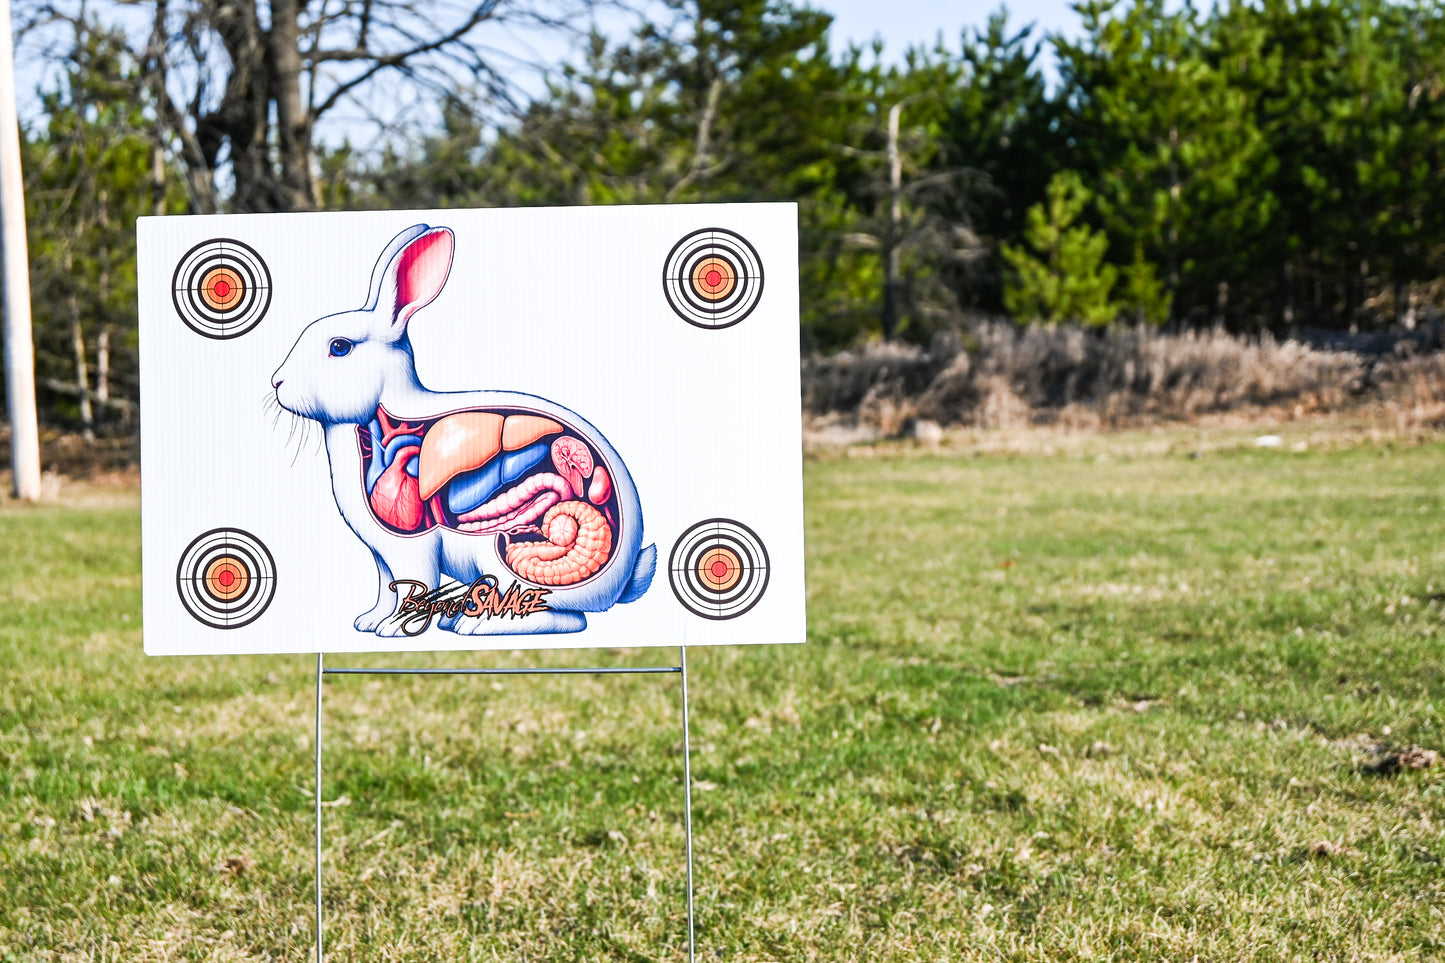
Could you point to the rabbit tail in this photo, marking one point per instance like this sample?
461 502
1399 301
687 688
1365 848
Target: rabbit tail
642 573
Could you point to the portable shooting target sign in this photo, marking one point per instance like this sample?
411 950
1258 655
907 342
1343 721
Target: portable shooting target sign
446 430
471 429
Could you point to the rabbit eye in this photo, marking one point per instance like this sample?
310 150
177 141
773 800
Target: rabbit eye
340 347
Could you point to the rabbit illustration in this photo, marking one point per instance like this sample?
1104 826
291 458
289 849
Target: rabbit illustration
513 496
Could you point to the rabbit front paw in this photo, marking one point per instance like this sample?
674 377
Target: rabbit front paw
394 627
368 621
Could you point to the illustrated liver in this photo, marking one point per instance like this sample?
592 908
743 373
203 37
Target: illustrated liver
458 443
468 440
522 430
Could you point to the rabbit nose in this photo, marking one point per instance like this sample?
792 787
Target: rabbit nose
277 383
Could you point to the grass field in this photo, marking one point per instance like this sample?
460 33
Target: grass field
1112 704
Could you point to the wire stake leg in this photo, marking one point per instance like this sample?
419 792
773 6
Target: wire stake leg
681 669
687 803
320 673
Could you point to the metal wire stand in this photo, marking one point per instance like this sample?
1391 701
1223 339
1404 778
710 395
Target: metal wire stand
680 670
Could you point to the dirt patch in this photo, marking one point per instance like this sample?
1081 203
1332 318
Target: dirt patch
1389 762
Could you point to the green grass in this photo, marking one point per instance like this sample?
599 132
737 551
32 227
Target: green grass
1057 707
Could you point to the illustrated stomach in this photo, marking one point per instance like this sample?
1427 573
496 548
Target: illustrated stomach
525 478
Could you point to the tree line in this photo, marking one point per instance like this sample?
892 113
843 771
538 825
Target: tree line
1263 166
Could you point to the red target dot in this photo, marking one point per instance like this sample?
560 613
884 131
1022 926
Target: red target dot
226 578
221 289
719 568
713 279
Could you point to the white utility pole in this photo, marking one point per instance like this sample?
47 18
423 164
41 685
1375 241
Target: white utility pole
15 278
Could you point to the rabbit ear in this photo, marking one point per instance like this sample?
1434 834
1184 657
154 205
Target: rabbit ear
409 275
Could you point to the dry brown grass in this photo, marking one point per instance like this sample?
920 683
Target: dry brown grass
1002 376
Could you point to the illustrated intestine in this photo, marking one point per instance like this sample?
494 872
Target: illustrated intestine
578 541
525 478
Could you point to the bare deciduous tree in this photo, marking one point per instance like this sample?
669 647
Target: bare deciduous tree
239 87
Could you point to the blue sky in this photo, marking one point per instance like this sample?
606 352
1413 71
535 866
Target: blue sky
905 23
899 23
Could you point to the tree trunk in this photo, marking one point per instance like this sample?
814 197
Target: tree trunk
82 374
1287 312
241 120
891 281
1175 194
15 280
297 190
102 345
102 368
200 164
158 179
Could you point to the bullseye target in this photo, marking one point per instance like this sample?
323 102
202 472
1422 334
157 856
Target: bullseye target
718 569
221 289
713 278
226 578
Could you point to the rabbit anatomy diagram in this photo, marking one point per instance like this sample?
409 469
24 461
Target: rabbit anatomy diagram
520 502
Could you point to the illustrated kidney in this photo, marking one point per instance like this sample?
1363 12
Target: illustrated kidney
601 488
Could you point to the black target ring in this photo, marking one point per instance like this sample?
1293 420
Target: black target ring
713 278
226 578
221 289
718 569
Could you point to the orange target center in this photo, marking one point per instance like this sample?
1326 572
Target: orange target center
720 569
714 278
222 289
226 579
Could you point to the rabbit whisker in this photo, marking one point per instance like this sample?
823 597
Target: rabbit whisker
303 437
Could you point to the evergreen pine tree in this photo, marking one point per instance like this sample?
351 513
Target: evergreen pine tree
1064 277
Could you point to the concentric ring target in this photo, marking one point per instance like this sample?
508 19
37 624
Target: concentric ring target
226 578
713 278
718 569
221 288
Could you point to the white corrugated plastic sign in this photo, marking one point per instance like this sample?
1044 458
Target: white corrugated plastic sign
458 429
